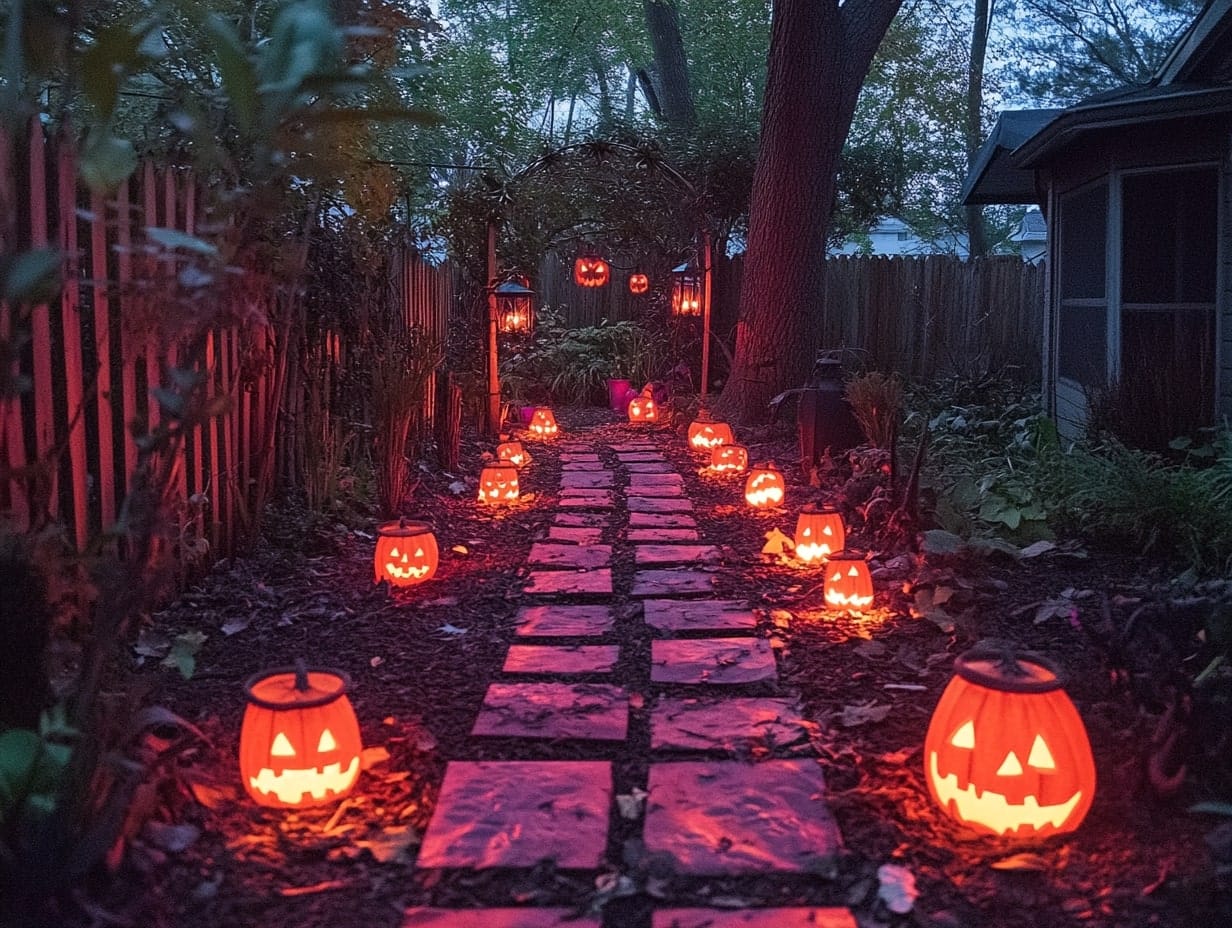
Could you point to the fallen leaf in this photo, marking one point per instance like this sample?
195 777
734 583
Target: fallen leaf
631 805
171 838
897 889
370 757
453 630
862 714
376 661
777 542
1038 548
1025 861
235 625
391 844
460 549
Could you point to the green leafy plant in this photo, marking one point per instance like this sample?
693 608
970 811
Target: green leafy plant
877 401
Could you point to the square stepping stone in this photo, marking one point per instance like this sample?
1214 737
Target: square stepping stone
750 918
587 479
578 467
572 457
661 520
664 492
655 480
727 817
641 504
660 535
712 661
498 918
585 499
698 615
633 446
517 813
651 468
650 583
675 554
543 554
580 519
730 724
564 621
571 582
639 457
577 658
586 711
576 536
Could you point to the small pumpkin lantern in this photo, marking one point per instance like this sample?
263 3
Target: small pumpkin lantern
299 741
638 284
1006 751
729 459
543 423
686 291
765 487
643 408
512 452
819 533
591 271
515 308
705 433
406 553
498 485
848 585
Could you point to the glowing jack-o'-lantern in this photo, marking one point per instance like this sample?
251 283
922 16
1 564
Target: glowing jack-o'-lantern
848 585
643 409
728 459
819 534
765 487
299 741
512 452
543 423
1006 751
406 553
638 284
591 271
498 485
705 434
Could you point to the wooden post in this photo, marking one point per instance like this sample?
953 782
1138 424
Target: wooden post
494 400
706 271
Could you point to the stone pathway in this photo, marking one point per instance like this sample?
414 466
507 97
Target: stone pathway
709 699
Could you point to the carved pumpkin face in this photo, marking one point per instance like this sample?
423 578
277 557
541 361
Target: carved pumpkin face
819 534
638 283
512 452
406 553
643 409
543 423
1006 751
848 585
591 271
765 488
299 741
729 459
704 435
498 485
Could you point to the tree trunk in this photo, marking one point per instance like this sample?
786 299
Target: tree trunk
663 24
819 57
978 241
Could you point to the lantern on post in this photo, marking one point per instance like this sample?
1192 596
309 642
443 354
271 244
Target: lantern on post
705 433
512 452
1006 751
498 485
590 270
299 741
686 290
728 459
543 423
765 487
638 284
848 585
819 533
406 553
515 308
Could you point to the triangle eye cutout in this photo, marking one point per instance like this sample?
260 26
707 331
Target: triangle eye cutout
854 572
827 531
327 742
965 736
1041 757
393 552
282 746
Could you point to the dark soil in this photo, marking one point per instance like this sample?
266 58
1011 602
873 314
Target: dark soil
422 660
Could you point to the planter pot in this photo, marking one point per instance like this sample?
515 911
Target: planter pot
617 395
526 413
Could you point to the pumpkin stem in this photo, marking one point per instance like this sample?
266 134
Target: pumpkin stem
301 675
402 522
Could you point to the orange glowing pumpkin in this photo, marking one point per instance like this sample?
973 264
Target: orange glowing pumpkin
591 271
765 487
498 485
729 459
406 553
543 423
299 741
705 434
819 534
512 452
638 284
848 585
643 409
1006 751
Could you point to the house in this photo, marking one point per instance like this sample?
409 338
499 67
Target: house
892 236
1136 188
1031 237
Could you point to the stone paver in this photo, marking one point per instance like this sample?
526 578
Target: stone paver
650 468
656 480
641 504
571 582
577 658
749 918
573 457
652 492
639 457
699 615
675 554
587 479
564 621
502 918
586 711
713 661
727 817
581 467
635 445
543 554
660 535
585 499
731 724
581 519
517 813
576 536
650 583
661 520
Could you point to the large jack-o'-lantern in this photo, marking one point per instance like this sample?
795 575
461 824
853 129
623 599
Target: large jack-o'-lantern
1006 751
643 408
728 459
848 585
543 423
765 487
406 553
512 452
704 434
591 271
819 534
299 741
498 485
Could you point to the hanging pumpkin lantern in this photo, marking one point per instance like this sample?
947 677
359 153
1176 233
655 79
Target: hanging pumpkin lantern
543 423
406 553
498 485
515 308
704 434
686 291
299 741
591 271
819 534
642 408
729 459
848 585
638 284
765 487
512 452
1006 751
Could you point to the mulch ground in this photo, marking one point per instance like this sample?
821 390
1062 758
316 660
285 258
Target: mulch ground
422 660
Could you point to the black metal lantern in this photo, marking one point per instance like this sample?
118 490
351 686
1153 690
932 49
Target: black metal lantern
686 291
515 308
